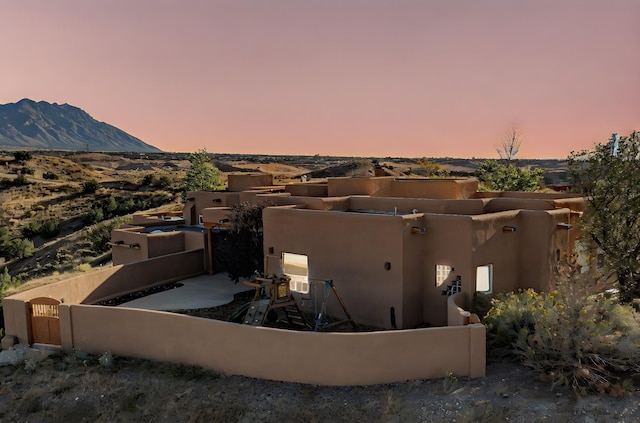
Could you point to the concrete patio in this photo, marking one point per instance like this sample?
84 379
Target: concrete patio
203 291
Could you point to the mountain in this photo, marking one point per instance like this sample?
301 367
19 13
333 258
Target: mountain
44 126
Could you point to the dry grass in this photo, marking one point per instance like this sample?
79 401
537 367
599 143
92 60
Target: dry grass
78 388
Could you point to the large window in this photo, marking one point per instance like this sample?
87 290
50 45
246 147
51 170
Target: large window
484 278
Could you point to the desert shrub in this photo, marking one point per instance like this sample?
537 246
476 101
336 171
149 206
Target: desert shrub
91 186
93 216
50 175
50 227
150 179
83 267
7 281
13 247
27 170
568 337
20 180
100 235
163 181
47 228
22 156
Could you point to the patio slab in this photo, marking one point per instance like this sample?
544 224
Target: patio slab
204 291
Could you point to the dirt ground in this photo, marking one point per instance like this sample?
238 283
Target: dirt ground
79 388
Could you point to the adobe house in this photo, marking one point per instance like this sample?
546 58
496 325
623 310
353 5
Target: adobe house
395 248
402 253
398 248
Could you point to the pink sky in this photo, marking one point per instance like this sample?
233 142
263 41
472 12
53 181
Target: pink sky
334 77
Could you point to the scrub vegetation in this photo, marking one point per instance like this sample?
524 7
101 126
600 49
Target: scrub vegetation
571 345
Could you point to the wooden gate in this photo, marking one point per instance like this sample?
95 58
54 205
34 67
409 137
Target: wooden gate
45 323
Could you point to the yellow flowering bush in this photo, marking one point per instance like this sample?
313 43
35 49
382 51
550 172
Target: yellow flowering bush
568 337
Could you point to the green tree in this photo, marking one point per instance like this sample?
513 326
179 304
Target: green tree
241 252
91 186
202 175
508 177
609 177
11 247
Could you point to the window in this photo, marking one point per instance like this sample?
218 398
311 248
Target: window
296 267
442 273
484 278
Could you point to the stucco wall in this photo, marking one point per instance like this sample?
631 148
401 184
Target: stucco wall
237 182
448 242
339 187
422 205
434 188
128 238
103 284
492 245
351 249
292 356
308 189
199 200
544 239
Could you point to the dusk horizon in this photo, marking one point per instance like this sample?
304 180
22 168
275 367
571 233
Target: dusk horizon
353 79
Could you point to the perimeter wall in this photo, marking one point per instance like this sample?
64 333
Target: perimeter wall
305 357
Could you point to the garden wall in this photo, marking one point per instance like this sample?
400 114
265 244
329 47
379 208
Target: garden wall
100 285
275 354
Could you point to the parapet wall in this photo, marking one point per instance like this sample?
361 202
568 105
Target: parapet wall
266 353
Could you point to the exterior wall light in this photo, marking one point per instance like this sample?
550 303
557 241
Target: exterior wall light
270 250
418 230
387 265
217 200
564 226
509 229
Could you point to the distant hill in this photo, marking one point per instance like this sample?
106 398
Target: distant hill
44 126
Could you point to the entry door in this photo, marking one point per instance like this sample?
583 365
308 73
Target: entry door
45 322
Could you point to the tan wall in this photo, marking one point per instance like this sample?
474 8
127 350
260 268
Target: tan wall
351 249
127 251
422 205
434 188
413 276
492 245
238 182
164 243
199 200
213 216
457 310
447 242
261 196
503 204
195 240
157 219
544 238
339 187
302 357
151 245
103 284
308 189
